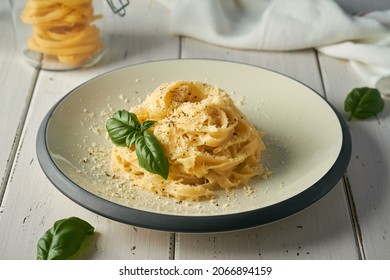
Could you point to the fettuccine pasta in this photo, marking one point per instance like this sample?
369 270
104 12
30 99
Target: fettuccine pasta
63 29
209 143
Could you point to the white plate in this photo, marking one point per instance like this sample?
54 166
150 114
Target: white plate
308 147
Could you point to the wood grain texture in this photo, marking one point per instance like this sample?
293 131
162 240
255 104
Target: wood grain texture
350 222
368 172
321 231
31 204
16 86
311 234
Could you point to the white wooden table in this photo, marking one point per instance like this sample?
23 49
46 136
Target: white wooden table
350 222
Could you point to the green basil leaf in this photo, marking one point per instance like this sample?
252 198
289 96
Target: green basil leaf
151 155
64 239
131 137
125 130
146 125
120 126
363 103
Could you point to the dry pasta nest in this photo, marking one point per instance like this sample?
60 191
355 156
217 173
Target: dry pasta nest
63 29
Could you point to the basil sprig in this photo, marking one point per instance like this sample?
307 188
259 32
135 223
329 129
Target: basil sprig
125 130
363 103
64 239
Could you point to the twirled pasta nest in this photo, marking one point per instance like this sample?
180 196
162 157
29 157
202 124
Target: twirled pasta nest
208 141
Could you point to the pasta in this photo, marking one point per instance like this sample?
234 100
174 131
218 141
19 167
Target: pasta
62 29
209 143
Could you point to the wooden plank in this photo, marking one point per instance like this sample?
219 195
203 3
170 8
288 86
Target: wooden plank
368 172
303 63
14 95
322 231
142 35
31 204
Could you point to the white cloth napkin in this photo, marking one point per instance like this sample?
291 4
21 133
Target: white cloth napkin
289 25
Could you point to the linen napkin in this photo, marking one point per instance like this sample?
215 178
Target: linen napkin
282 25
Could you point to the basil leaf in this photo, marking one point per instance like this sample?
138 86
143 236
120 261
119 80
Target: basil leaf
146 125
120 126
125 130
133 135
64 239
151 155
363 103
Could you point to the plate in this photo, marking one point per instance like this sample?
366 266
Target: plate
308 147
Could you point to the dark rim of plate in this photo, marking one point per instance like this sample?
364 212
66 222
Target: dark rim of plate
194 224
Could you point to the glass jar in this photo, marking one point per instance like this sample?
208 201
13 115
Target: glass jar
59 34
